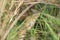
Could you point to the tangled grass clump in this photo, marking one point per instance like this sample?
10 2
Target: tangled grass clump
29 20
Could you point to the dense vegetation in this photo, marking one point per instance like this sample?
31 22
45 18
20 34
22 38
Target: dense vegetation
29 19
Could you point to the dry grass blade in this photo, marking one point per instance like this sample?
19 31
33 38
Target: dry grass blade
52 2
2 6
28 24
12 3
42 2
2 9
59 34
16 10
12 25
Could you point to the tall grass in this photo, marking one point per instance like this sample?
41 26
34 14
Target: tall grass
29 20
